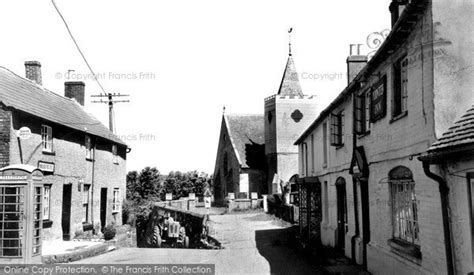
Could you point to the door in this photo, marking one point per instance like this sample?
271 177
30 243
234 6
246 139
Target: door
364 197
103 207
341 212
66 212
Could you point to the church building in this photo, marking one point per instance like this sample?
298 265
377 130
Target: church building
256 152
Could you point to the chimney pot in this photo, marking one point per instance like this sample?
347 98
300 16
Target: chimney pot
75 90
33 71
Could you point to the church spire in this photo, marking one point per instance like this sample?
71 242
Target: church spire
290 84
289 41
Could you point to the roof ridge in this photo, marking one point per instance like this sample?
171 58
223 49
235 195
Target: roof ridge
35 84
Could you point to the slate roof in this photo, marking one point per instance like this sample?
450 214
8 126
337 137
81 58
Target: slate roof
290 84
25 95
243 129
460 133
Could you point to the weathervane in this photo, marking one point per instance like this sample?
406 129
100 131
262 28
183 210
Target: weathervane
289 40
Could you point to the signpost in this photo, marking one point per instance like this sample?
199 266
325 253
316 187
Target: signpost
169 196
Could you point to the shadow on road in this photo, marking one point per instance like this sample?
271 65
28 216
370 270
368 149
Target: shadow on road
278 247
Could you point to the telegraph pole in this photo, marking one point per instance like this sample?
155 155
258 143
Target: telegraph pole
110 101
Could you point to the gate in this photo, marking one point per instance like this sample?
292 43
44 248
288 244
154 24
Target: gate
310 213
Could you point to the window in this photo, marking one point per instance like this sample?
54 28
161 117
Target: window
325 144
400 87
115 158
47 202
89 149
362 113
85 203
116 201
404 206
47 138
337 129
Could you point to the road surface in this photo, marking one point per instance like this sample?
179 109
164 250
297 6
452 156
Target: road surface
254 243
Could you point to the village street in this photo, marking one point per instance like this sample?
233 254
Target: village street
254 243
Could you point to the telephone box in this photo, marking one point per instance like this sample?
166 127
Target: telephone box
21 214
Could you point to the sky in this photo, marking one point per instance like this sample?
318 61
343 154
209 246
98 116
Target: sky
182 61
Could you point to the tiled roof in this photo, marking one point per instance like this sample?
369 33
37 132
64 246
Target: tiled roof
461 133
290 84
243 129
25 95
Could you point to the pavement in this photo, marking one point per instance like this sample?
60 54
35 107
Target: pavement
59 251
254 243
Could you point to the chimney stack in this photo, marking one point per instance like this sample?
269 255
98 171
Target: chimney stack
396 8
33 71
75 90
355 63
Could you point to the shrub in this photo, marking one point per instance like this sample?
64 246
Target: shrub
109 232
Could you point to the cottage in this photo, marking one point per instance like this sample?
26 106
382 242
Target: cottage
378 205
83 162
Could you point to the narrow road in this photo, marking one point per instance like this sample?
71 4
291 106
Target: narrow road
253 243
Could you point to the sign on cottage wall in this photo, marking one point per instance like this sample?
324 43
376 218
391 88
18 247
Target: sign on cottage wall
46 166
23 133
378 104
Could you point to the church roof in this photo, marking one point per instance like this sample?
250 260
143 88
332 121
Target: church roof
460 133
290 84
243 130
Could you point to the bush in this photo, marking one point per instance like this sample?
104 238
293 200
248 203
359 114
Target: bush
109 232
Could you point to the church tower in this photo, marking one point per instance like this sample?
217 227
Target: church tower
287 114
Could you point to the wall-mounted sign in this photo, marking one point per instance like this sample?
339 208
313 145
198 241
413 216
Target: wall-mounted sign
23 133
47 167
378 104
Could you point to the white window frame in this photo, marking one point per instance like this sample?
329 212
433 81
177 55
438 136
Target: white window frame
47 138
89 148
86 203
47 202
115 154
116 200
405 225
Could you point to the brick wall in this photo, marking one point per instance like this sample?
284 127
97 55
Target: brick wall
71 167
5 125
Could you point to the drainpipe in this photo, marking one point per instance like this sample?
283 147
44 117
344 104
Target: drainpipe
354 185
444 194
92 188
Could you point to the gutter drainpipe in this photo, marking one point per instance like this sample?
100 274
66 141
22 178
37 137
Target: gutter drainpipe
444 194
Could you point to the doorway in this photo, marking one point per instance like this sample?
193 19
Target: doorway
341 213
66 212
103 207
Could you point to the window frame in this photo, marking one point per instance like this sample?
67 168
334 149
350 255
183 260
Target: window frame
116 200
86 203
338 129
115 158
47 138
325 144
89 148
47 202
404 212
362 109
400 87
